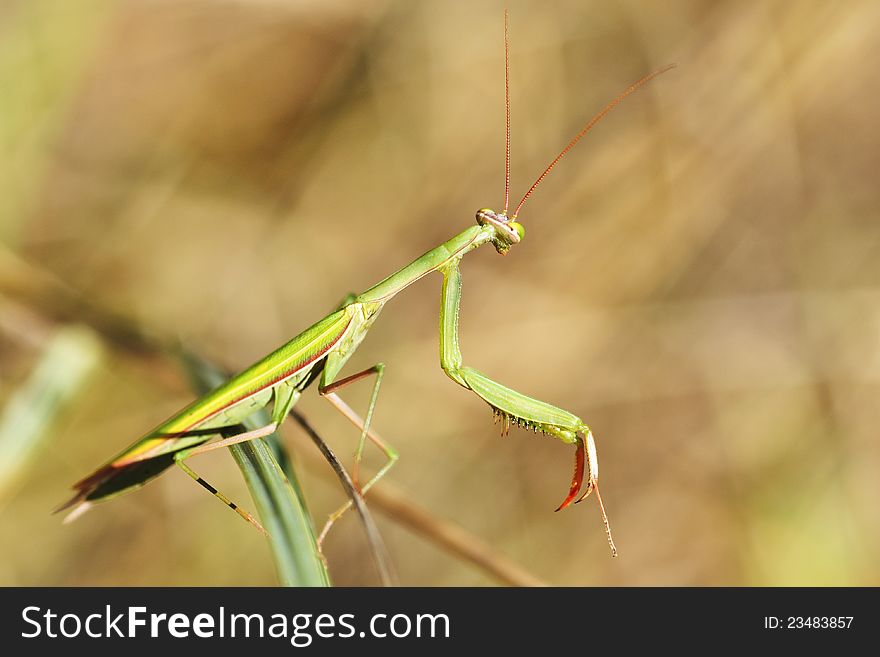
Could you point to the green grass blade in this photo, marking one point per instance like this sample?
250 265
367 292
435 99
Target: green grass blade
71 355
277 495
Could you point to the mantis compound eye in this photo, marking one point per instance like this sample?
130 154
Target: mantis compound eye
519 229
486 216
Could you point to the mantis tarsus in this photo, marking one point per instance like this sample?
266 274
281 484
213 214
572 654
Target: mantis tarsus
321 351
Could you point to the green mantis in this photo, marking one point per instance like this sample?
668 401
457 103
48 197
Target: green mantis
319 354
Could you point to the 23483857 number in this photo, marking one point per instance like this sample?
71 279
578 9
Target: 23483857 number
819 622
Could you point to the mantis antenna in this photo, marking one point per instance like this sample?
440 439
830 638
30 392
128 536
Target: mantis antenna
587 127
506 113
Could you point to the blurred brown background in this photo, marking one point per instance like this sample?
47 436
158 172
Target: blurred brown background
699 279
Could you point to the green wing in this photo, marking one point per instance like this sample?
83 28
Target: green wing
227 405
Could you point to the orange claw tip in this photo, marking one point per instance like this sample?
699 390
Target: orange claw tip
578 478
564 504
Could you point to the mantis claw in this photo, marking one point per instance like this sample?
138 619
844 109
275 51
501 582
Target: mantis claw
578 478
588 445
586 493
593 464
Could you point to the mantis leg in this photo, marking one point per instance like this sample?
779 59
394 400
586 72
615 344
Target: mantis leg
327 391
514 407
380 552
184 454
285 397
243 437
220 496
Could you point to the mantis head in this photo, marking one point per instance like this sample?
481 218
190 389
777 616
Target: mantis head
507 231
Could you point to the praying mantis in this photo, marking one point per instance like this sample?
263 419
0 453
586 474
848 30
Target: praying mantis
320 352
